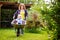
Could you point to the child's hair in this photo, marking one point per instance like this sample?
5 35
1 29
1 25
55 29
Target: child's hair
21 4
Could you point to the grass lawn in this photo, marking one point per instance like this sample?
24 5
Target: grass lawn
9 34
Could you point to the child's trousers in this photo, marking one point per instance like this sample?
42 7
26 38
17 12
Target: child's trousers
19 31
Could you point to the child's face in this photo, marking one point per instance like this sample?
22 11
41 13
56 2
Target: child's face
22 7
19 16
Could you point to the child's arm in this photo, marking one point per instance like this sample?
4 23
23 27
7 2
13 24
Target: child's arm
26 14
15 14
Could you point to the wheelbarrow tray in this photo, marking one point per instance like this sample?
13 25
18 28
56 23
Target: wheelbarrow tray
18 26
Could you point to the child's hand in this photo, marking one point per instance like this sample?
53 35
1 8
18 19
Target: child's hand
17 23
13 17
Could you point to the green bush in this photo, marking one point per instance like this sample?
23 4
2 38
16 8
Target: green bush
45 17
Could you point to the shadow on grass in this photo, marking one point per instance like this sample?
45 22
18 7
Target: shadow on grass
12 36
33 31
15 36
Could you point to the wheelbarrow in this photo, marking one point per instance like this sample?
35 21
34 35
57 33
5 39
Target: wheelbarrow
19 27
